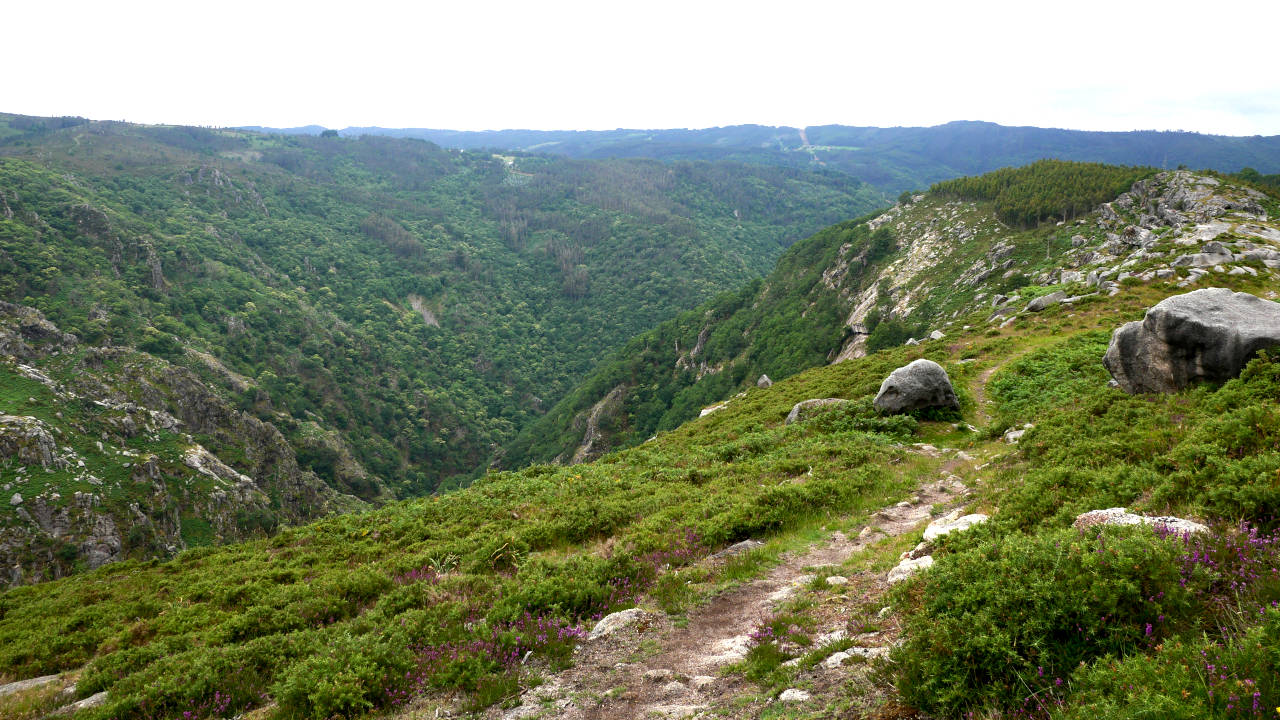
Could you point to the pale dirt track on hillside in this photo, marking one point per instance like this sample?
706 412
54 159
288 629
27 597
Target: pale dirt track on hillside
658 669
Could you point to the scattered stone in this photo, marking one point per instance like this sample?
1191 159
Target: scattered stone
834 636
614 622
794 695
673 688
806 409
837 580
730 649
1205 335
737 549
918 385
1046 301
763 382
952 522
92 701
1013 435
836 660
964 456
658 675
909 567
936 335
29 684
708 410
1121 516
16 499
699 682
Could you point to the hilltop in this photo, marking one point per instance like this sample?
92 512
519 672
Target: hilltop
483 601
893 159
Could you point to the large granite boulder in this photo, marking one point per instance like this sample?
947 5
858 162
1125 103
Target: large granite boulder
916 386
1205 335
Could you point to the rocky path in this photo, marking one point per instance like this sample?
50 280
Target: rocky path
655 668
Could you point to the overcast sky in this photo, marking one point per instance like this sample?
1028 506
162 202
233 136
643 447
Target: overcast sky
551 64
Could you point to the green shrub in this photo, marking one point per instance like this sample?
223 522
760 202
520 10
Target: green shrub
1016 615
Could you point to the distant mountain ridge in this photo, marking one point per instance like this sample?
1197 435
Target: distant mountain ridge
892 159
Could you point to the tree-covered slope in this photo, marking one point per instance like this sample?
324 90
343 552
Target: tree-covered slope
424 303
473 602
861 285
893 159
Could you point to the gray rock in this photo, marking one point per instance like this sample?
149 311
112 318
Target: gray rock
29 684
1267 257
793 695
92 701
1205 335
936 335
1120 516
806 409
16 499
952 522
918 385
909 567
738 548
1045 301
1202 259
763 382
614 622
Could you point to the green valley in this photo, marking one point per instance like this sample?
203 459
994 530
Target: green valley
754 564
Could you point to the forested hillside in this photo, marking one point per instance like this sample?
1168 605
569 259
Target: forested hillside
858 286
1043 543
892 159
423 303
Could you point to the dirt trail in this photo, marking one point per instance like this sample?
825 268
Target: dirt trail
656 669
980 400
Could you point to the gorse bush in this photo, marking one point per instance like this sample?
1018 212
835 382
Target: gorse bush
1016 615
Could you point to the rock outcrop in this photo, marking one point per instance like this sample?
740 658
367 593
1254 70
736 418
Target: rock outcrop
1121 516
1203 336
806 409
1046 301
916 386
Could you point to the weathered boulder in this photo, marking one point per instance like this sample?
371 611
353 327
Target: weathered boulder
1204 335
918 385
1046 301
952 522
793 695
909 567
1120 516
806 409
612 623
30 684
763 382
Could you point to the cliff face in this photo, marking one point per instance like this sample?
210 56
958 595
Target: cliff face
110 453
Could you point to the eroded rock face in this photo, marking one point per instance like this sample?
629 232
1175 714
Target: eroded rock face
916 386
1203 336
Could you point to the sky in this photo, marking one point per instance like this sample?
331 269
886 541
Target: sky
555 64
